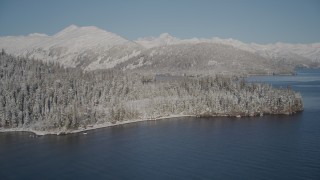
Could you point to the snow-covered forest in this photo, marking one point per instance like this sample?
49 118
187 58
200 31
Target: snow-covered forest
46 96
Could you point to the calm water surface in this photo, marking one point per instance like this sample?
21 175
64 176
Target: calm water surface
268 147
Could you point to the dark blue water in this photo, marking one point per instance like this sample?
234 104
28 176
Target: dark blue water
268 147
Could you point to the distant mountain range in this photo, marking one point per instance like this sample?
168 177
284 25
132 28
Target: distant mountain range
277 50
92 48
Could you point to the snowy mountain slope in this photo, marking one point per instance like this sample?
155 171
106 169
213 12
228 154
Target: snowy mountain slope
197 58
86 47
19 44
92 48
277 51
309 51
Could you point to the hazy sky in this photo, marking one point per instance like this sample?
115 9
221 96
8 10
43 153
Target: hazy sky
261 21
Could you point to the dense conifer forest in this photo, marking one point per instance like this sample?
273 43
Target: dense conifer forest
48 97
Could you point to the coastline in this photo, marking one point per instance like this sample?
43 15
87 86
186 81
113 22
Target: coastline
109 124
272 74
91 127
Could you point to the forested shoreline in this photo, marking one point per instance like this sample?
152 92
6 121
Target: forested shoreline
41 96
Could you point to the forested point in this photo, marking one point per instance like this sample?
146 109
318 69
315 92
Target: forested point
48 97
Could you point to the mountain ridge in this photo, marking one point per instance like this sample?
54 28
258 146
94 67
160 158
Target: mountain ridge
91 48
310 51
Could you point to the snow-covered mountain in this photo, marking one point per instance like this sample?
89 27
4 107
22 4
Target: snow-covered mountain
277 51
17 45
85 47
203 58
92 48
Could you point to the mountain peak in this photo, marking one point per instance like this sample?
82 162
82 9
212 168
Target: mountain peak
84 30
67 30
71 27
37 35
162 40
165 36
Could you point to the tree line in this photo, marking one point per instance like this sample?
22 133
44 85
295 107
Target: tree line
46 96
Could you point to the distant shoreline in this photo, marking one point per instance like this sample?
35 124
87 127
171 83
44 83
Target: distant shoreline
268 74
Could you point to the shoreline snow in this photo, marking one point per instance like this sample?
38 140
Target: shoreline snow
91 127
109 124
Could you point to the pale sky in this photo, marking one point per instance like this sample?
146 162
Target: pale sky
260 21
